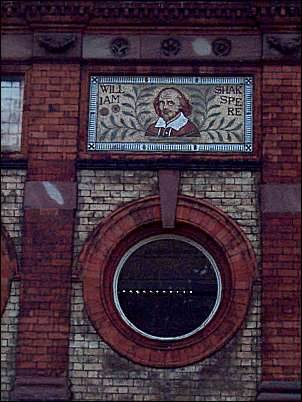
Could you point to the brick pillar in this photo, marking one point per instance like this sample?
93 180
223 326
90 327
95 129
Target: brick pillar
281 211
50 200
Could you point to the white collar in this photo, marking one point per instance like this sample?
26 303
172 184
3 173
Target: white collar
177 123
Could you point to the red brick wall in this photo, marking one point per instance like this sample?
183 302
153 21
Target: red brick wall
47 246
53 126
45 292
281 229
55 122
281 123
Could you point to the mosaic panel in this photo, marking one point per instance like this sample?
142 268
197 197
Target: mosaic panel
203 114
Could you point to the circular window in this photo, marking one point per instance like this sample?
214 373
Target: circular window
167 297
167 287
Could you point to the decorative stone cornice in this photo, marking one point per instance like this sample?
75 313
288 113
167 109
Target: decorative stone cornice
144 12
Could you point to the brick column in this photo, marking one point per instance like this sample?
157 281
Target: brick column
281 211
50 200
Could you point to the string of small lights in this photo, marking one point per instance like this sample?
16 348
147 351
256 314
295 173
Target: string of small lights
156 292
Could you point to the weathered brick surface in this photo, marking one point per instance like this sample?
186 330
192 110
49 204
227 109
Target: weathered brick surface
53 123
281 297
236 193
12 192
45 274
9 328
281 98
281 233
97 370
101 192
44 297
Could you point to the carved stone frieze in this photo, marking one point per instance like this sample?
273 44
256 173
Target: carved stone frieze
163 12
278 46
221 46
56 44
170 47
119 47
162 47
273 46
286 46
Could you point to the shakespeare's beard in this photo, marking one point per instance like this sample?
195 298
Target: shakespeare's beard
168 114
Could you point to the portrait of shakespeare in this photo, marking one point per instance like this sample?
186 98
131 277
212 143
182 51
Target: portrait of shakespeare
173 109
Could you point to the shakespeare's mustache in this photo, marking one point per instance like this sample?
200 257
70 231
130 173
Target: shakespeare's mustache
166 111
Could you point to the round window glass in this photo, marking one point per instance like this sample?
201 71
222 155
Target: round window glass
167 287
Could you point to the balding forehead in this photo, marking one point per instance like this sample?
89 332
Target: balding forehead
169 93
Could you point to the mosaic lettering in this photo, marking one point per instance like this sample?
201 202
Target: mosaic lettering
175 113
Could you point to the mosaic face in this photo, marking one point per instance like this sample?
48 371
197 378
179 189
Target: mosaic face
170 114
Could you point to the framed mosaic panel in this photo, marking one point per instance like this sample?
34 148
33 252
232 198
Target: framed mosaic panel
170 114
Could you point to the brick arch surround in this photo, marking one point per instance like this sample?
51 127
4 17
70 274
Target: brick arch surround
9 266
197 220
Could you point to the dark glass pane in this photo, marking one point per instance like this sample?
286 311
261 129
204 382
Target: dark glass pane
167 288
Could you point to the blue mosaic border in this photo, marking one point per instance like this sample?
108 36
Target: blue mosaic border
93 145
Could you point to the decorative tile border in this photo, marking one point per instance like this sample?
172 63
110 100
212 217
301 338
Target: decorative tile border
211 114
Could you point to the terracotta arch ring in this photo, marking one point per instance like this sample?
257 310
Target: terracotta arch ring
9 266
201 222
